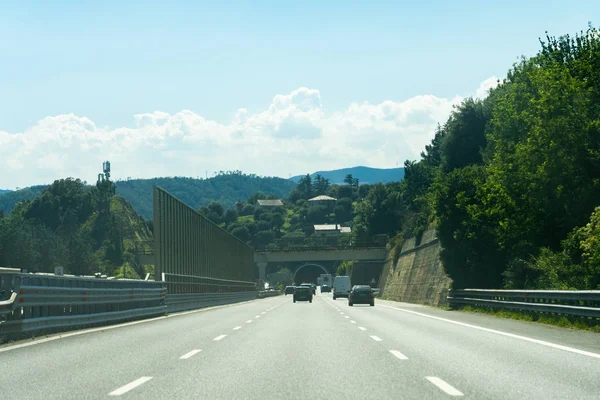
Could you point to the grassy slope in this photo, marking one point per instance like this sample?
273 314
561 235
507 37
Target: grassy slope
136 232
136 236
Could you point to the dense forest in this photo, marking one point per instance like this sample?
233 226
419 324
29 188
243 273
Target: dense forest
512 183
83 229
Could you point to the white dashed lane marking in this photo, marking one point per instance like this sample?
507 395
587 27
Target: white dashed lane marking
375 338
130 386
352 322
444 386
219 337
398 355
362 328
190 354
249 321
346 316
237 327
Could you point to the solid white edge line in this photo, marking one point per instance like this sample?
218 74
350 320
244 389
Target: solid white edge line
219 337
375 338
130 386
510 335
444 386
237 327
398 355
362 328
190 354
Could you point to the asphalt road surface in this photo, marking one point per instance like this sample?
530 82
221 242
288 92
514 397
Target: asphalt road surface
275 349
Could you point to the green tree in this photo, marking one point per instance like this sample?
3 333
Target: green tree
320 185
277 221
464 138
263 225
345 192
305 187
470 255
242 233
262 238
216 208
230 216
349 180
317 215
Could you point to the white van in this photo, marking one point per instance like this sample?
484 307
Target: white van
341 286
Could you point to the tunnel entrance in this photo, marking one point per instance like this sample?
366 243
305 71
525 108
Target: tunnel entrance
309 273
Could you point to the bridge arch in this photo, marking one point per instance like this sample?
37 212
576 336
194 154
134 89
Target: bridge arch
325 271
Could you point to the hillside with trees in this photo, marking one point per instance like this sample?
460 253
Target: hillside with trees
83 229
292 225
512 182
9 199
226 188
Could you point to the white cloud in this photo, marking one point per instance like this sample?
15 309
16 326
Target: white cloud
484 88
292 136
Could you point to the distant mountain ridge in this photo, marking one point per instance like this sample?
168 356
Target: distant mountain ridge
226 188
363 174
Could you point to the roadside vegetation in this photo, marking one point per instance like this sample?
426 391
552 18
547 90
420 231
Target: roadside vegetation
555 320
83 229
511 182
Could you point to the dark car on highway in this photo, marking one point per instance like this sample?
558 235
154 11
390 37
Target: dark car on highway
312 286
325 289
361 294
289 290
303 293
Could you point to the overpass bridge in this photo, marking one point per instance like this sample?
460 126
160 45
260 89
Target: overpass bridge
323 258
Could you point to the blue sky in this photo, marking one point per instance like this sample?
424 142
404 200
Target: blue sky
106 62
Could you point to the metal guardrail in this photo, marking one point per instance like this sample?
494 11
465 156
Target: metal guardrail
580 303
187 292
268 293
38 303
44 303
182 302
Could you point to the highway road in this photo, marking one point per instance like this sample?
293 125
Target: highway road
275 349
